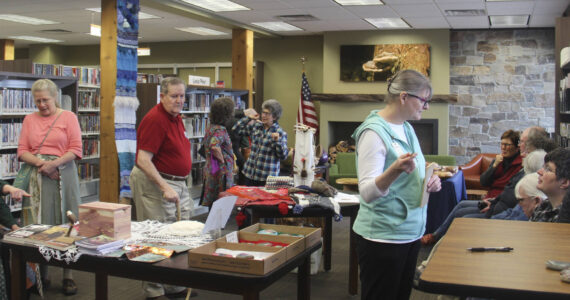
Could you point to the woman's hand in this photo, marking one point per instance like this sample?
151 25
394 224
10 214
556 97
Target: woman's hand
275 136
217 153
49 168
251 113
434 184
15 227
498 160
406 163
15 193
488 203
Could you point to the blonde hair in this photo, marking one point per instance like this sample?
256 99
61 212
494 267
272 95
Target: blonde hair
46 85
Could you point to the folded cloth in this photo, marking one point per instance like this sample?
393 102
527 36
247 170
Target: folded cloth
323 188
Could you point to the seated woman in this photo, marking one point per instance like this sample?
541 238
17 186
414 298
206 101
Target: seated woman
504 166
528 197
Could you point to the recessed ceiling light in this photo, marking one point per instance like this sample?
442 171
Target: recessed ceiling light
277 26
95 30
359 2
34 39
509 21
142 15
464 12
217 5
201 30
145 51
388 22
26 20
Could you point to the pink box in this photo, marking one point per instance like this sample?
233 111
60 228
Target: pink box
111 219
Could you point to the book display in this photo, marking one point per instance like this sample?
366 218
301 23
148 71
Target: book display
562 82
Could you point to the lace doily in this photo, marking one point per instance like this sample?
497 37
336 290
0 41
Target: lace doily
69 256
151 231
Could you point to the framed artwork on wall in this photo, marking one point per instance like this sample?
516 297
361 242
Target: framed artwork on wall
370 63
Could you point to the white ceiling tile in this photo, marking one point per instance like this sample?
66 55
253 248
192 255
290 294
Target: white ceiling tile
556 7
309 3
424 23
406 1
471 2
468 22
510 8
417 10
380 11
266 5
542 20
461 5
331 13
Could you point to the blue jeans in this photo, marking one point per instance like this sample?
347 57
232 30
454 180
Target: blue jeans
465 208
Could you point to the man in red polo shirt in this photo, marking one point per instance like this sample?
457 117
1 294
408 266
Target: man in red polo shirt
159 179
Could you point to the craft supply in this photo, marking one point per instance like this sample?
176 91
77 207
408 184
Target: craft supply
565 275
244 255
268 231
72 219
490 249
557 265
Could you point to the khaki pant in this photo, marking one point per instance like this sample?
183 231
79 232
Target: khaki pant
149 205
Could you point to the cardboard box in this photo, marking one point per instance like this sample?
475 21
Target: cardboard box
106 218
202 257
295 245
312 235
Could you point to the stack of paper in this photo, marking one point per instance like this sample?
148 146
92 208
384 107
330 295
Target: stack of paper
99 245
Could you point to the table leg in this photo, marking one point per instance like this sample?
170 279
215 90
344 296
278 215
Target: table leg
304 279
18 276
251 295
327 248
101 289
352 261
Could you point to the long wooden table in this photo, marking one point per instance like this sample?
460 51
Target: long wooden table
173 271
519 274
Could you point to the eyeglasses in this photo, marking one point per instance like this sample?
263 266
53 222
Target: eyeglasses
506 145
424 101
547 168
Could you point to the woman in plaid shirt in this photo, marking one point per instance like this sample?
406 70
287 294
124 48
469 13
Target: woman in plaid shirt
268 139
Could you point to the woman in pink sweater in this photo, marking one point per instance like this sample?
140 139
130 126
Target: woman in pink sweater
50 141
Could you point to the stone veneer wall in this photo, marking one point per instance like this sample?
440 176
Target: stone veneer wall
504 80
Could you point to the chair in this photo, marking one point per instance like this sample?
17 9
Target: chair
344 167
442 160
472 171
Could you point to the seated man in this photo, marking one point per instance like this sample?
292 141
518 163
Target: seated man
528 196
554 181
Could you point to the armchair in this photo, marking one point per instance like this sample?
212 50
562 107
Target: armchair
473 170
344 167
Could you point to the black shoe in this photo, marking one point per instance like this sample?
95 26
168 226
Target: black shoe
69 287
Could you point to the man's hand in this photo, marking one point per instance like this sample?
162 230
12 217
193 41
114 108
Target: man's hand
498 160
170 195
275 136
406 162
434 184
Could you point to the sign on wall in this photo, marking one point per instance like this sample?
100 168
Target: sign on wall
198 80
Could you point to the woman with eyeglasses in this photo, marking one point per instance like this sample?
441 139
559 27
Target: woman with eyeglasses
391 170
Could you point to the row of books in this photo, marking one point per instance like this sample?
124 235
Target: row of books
9 165
195 125
59 237
198 175
151 78
239 103
88 99
198 102
565 94
10 132
90 147
87 171
17 101
89 123
195 146
85 75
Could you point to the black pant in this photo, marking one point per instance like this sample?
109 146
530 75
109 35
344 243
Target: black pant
386 270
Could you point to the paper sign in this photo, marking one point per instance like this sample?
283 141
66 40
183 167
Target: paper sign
219 214
232 237
429 173
198 80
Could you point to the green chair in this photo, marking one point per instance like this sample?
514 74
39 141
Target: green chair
344 167
442 160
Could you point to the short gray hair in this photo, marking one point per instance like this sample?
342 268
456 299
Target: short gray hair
274 107
406 81
528 184
533 161
168 81
46 85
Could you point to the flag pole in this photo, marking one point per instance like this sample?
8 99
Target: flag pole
303 60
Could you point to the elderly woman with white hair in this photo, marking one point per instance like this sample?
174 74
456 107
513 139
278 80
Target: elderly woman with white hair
268 139
528 197
49 142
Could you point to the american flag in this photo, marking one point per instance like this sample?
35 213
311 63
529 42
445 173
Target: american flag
306 113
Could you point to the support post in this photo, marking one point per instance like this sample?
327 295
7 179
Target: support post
242 61
6 49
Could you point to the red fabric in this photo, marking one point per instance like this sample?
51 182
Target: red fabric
248 195
240 219
273 244
165 137
283 208
502 177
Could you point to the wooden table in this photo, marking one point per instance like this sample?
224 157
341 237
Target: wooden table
519 274
348 184
174 271
346 210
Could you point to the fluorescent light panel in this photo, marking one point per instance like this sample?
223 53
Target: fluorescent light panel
277 26
388 22
95 30
143 51
34 39
509 21
26 20
359 2
201 30
142 15
217 5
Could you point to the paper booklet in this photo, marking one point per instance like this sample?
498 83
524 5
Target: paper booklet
425 194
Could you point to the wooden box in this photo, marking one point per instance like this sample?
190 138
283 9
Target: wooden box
202 257
111 219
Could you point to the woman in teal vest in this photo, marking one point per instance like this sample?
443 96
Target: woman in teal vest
391 170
